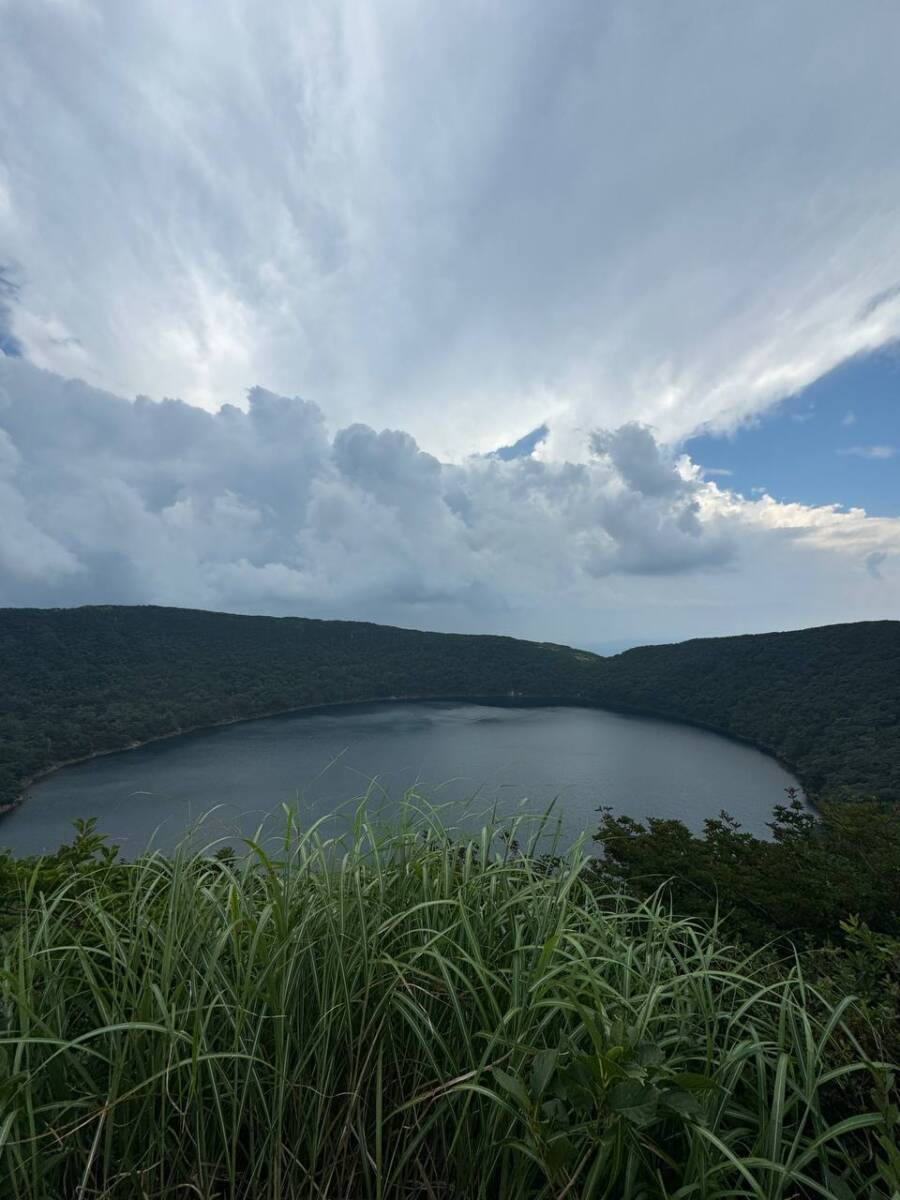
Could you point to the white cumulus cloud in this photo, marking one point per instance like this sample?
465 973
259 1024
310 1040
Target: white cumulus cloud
262 509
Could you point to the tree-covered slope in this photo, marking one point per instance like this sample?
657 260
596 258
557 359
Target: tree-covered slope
826 701
81 681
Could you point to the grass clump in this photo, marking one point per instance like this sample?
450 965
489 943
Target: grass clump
403 1015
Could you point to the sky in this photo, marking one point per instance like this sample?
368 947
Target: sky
836 440
576 322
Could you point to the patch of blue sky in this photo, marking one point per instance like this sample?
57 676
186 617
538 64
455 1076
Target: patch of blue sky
835 442
524 447
9 344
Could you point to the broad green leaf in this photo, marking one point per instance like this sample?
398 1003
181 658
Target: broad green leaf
683 1103
514 1086
542 1069
648 1054
637 1102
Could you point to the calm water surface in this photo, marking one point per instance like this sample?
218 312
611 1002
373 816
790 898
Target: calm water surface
465 756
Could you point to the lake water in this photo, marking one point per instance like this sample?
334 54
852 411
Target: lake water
466 757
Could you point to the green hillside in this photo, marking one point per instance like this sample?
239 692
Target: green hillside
82 681
826 701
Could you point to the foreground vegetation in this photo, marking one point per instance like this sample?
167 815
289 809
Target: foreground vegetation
403 1015
825 887
89 680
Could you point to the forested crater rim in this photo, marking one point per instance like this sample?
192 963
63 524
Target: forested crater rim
89 681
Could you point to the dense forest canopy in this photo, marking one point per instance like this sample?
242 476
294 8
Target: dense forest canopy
83 681
825 701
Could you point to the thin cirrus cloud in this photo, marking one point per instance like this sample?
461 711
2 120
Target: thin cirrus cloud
877 451
460 220
265 510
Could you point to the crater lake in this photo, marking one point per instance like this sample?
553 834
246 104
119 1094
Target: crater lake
463 758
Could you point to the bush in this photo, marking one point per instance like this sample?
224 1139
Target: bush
826 886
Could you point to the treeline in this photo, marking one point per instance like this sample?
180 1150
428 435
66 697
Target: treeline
82 681
825 701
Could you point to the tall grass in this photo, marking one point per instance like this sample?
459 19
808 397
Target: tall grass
397 1015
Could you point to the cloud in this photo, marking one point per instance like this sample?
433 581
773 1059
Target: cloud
641 462
874 562
878 452
885 296
459 220
9 343
27 554
265 510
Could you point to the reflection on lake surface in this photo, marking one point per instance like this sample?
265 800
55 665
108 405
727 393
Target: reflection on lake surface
517 758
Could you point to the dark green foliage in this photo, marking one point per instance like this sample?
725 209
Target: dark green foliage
825 701
406 1016
429 1019
827 887
815 873
82 681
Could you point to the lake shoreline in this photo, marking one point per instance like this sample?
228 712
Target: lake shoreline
512 699
31 780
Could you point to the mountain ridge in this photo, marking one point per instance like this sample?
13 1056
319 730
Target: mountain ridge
96 679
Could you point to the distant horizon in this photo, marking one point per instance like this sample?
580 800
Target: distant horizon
609 653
